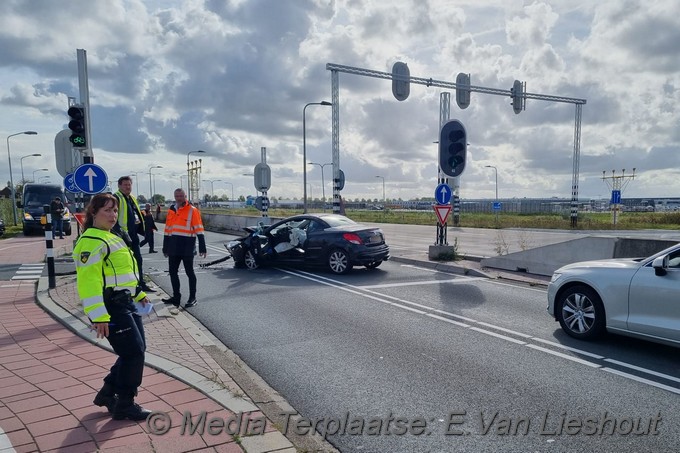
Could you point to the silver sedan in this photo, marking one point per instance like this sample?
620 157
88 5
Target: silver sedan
636 297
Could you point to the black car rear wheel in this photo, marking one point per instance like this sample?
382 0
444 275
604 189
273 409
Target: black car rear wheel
581 313
338 262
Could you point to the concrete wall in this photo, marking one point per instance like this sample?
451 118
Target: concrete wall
227 223
545 260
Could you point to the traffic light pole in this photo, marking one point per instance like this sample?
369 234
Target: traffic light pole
444 115
83 88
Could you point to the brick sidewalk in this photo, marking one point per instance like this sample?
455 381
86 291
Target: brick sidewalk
49 376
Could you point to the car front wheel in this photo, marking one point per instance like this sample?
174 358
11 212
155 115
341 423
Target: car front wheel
250 260
581 313
338 262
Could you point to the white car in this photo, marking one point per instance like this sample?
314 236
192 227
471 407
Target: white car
637 297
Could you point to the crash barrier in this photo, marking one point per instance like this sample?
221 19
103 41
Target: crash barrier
547 259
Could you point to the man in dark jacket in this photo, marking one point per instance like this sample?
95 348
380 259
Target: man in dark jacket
130 223
182 226
57 212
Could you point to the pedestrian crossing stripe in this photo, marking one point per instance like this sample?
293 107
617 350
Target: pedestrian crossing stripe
29 272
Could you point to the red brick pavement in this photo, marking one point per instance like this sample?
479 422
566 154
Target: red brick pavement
49 376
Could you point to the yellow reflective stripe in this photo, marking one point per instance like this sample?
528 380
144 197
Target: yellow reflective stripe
96 313
93 300
120 280
117 245
94 258
122 211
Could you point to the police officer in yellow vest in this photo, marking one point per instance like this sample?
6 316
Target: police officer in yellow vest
108 286
130 222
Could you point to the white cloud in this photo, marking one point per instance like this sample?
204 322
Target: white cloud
168 77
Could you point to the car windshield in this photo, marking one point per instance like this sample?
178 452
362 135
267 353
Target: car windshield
338 220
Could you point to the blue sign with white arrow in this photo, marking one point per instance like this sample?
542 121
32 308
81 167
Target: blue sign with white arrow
442 194
90 178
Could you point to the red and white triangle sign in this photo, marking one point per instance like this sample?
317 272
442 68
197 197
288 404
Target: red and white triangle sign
442 211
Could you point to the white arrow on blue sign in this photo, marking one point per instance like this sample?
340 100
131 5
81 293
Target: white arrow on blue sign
90 178
442 194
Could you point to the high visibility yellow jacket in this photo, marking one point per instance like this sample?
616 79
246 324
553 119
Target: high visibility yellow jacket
182 227
103 261
123 213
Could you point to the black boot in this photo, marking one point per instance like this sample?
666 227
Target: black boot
105 397
126 409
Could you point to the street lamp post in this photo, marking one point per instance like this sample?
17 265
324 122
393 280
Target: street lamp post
200 151
232 190
151 188
135 173
212 187
40 169
496 173
23 180
11 180
304 151
323 185
383 181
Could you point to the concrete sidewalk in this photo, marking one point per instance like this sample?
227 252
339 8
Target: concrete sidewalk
51 366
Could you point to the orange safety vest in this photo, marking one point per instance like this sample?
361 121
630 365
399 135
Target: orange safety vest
182 227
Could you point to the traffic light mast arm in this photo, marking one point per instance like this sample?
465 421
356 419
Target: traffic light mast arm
449 85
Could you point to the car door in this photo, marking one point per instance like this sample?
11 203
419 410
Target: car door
654 302
315 247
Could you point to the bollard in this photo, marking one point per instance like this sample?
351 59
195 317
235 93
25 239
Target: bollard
49 244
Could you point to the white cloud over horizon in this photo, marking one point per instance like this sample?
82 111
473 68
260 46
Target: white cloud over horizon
229 77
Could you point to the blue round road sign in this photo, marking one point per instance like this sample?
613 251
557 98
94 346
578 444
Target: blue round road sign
69 184
442 194
90 178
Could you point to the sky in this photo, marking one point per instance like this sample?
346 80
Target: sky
229 77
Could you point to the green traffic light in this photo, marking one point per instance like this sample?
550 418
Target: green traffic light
78 140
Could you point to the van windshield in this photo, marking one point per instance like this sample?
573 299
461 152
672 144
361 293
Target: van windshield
40 197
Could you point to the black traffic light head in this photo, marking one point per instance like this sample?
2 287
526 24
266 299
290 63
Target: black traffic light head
78 127
452 148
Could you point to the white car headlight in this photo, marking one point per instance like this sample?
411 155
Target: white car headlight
556 276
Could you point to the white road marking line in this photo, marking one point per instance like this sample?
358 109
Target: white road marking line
454 281
497 335
644 370
568 348
564 356
642 380
429 312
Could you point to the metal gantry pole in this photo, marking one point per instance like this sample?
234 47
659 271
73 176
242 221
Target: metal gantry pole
336 68
576 165
335 100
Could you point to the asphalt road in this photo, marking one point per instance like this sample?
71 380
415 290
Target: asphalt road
474 364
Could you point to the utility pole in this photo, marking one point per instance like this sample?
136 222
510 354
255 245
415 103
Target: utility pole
617 184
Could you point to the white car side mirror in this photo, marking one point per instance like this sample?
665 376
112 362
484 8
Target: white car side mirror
660 265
